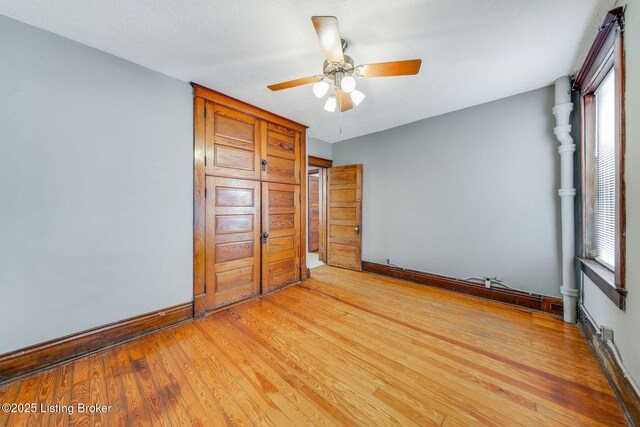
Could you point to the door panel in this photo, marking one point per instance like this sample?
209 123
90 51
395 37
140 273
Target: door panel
344 217
281 246
314 213
232 143
232 267
281 151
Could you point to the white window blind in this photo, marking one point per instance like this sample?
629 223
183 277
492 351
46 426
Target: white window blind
606 172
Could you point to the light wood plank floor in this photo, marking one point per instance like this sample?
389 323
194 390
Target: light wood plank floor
343 348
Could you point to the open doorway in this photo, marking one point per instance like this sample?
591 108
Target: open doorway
334 214
316 210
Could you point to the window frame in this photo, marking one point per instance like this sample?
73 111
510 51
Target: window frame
606 54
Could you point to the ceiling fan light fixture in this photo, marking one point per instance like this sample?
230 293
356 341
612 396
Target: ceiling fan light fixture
348 84
339 71
330 105
320 88
357 97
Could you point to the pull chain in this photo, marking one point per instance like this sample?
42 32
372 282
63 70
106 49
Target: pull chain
339 112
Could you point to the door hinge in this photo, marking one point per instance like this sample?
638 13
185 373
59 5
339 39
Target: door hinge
205 160
205 193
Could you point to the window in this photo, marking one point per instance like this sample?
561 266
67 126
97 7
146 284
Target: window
601 86
605 164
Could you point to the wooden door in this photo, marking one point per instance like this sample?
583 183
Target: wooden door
280 235
281 154
344 217
232 269
314 212
232 143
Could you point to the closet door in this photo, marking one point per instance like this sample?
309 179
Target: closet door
344 217
232 268
232 143
281 154
280 235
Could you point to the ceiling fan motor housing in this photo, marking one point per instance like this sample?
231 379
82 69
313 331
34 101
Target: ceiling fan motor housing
331 68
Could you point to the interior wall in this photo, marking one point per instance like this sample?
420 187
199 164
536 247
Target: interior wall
96 188
319 148
466 194
625 324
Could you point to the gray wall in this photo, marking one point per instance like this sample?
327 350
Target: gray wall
319 148
96 158
626 324
469 193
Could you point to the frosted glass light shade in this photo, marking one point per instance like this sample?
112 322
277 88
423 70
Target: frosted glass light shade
348 84
320 88
330 105
357 96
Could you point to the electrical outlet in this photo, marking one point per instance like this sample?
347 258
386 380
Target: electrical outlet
606 333
388 261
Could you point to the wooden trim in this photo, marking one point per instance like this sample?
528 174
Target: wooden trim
323 164
622 387
604 279
588 178
304 271
319 162
205 99
39 356
522 299
620 134
227 101
199 214
323 215
606 54
601 44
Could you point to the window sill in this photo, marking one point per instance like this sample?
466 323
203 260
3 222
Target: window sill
603 278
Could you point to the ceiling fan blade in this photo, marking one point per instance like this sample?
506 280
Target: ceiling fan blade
294 83
344 100
387 69
329 36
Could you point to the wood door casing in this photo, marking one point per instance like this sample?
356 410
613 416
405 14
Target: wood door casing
232 268
314 212
280 221
322 253
344 217
281 151
232 143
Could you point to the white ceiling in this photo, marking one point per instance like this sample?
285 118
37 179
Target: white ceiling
473 51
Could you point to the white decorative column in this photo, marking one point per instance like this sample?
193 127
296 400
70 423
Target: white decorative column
562 111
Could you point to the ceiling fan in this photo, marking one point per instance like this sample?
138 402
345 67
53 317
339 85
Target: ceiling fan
338 69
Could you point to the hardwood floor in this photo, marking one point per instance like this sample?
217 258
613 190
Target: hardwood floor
343 348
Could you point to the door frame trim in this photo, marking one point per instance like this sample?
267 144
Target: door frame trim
319 162
199 211
319 173
227 101
323 164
